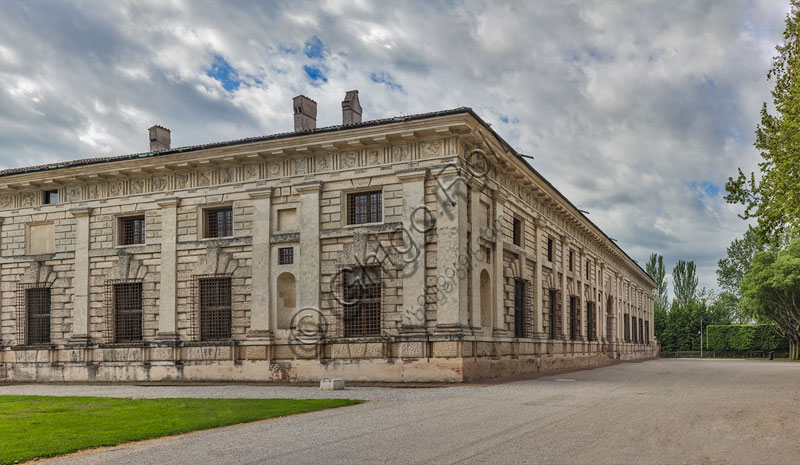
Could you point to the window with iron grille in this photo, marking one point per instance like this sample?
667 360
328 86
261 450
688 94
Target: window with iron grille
570 260
126 310
519 308
591 322
364 207
588 276
633 330
552 311
218 222
641 333
33 314
647 332
517 232
285 255
627 322
50 197
131 230
549 249
362 294
214 301
574 318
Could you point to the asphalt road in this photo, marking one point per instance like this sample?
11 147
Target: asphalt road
655 412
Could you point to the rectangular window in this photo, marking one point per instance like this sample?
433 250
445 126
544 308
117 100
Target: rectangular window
641 333
517 232
552 308
633 330
37 303
127 312
570 260
50 197
574 319
519 308
218 222
131 230
647 332
549 249
362 301
627 336
591 326
215 308
364 207
588 276
285 255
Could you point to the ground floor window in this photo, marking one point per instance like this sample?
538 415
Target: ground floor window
633 330
591 322
125 310
33 307
627 323
641 332
519 308
647 332
362 301
574 318
214 301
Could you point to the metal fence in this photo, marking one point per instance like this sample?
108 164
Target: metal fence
725 354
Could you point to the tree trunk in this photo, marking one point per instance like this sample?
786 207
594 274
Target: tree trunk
793 350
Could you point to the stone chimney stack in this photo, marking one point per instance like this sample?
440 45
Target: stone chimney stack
305 113
159 138
351 108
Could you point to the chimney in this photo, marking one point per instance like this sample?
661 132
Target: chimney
305 113
159 138
351 108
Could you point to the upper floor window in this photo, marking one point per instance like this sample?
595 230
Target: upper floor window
50 197
218 222
549 249
517 232
364 207
569 262
588 274
285 255
131 230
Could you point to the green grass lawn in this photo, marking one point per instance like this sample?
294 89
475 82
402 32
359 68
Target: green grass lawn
35 426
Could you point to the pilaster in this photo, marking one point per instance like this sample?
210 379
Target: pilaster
451 265
80 282
564 293
167 298
499 272
415 217
260 314
308 223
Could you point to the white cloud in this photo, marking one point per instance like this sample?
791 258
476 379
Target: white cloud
627 107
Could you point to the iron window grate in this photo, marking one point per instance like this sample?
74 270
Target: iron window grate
124 310
218 222
285 255
549 249
131 230
364 207
362 289
517 232
519 308
33 313
212 318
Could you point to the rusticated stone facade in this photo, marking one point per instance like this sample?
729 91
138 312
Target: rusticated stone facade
239 260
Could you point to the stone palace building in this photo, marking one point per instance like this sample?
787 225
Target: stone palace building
416 248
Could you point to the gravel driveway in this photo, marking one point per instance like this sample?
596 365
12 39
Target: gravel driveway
655 412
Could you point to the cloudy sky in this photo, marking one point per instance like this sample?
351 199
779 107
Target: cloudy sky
637 111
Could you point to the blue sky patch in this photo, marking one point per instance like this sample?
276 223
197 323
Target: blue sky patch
223 72
315 73
314 48
706 188
386 79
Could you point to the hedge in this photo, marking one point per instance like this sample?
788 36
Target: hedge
745 337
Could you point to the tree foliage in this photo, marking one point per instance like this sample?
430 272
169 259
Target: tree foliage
774 197
680 328
655 268
745 337
771 291
732 268
684 279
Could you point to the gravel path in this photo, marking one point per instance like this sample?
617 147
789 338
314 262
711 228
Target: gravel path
655 412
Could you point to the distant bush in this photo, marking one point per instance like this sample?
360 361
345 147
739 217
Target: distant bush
745 337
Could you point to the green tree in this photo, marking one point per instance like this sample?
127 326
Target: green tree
684 279
773 198
655 268
731 269
771 291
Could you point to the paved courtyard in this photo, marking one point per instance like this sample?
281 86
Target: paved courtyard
654 412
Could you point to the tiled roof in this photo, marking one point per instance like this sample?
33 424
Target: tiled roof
191 148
